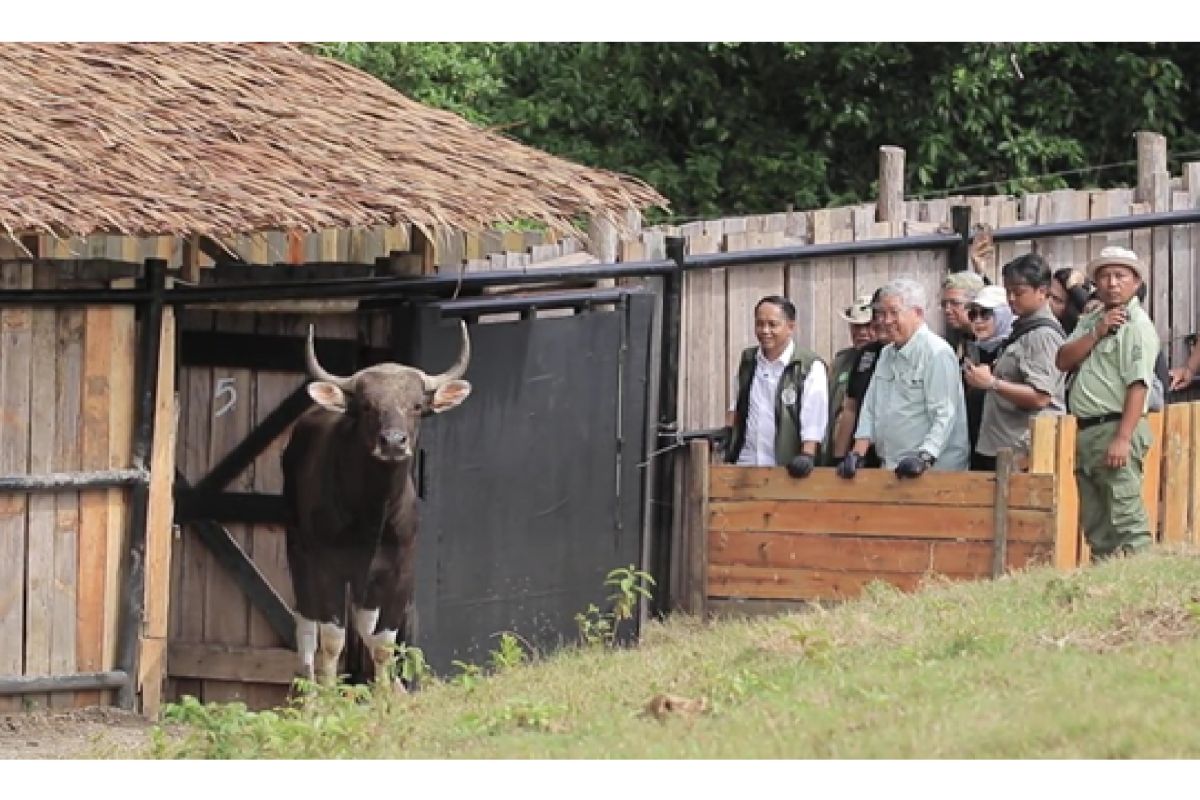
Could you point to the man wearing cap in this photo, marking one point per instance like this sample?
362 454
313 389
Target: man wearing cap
1113 349
858 315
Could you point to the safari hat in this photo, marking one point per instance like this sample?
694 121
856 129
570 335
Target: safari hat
1119 256
990 297
858 312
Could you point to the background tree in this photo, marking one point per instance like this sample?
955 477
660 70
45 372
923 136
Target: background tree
725 128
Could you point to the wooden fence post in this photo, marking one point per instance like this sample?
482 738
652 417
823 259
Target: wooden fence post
694 530
1004 463
890 207
1151 158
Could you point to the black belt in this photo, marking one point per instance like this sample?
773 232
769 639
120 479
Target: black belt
1087 422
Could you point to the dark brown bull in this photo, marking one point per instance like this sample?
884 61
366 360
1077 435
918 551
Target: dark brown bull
351 504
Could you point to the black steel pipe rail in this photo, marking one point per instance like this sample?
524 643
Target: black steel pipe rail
804 252
1087 226
66 481
80 682
499 304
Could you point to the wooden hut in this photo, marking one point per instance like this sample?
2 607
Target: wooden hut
113 154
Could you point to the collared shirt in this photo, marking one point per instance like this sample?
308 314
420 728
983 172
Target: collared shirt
1118 360
1028 361
915 403
759 449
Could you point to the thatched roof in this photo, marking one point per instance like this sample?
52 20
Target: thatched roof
219 139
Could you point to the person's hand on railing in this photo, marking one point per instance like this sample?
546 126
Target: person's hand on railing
913 466
848 467
801 466
1181 378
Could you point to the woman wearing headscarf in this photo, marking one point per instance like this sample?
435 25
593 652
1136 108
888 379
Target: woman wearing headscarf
991 323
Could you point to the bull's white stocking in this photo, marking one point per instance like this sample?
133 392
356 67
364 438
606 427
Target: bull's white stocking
306 645
379 645
333 639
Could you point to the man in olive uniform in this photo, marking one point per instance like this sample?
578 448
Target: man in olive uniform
858 315
1114 349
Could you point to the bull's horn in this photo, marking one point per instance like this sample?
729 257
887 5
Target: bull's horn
458 369
316 371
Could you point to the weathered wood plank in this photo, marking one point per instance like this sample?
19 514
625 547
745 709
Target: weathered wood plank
227 610
745 287
1183 266
975 489
93 505
771 583
1176 478
39 590
1152 474
1043 445
68 377
159 526
231 663
1067 530
16 330
870 519
865 553
703 344
269 550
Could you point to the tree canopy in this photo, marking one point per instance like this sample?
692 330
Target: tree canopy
728 128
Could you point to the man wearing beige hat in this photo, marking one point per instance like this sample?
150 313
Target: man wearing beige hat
858 315
1113 349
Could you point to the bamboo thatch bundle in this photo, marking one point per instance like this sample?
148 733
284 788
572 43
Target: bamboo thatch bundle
219 139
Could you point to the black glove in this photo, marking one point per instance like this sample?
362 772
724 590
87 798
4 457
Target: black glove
848 467
913 466
801 466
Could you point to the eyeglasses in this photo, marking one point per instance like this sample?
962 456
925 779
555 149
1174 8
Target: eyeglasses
978 312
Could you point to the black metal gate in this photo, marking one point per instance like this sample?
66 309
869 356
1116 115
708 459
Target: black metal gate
532 489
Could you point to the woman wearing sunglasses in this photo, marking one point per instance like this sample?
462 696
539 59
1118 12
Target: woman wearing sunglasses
991 321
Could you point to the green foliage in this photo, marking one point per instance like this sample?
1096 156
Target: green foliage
517 715
727 128
627 586
508 655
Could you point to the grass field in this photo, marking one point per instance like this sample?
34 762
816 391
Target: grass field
1102 663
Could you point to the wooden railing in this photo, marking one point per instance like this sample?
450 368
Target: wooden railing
754 537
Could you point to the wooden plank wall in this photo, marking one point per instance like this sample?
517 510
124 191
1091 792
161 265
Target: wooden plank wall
66 394
773 538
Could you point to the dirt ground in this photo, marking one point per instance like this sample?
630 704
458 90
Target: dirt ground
73 733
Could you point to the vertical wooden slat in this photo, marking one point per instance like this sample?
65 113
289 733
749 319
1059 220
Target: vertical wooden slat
696 513
1067 530
745 287
191 562
39 593
825 277
1177 479
870 272
1043 446
93 505
1152 476
159 525
703 343
1159 292
68 376
269 552
841 291
15 356
1004 465
1183 266
1194 471
120 442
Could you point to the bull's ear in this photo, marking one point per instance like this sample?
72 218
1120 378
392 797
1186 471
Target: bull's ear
327 395
450 394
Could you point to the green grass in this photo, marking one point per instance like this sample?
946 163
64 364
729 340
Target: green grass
1103 663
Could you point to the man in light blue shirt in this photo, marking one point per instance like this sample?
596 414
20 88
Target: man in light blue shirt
913 411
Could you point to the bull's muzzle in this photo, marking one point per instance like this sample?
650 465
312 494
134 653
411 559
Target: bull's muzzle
392 446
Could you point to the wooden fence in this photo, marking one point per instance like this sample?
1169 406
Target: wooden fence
67 406
752 538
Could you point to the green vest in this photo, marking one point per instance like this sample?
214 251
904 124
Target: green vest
839 381
787 425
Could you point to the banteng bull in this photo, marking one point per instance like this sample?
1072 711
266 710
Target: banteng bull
352 506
